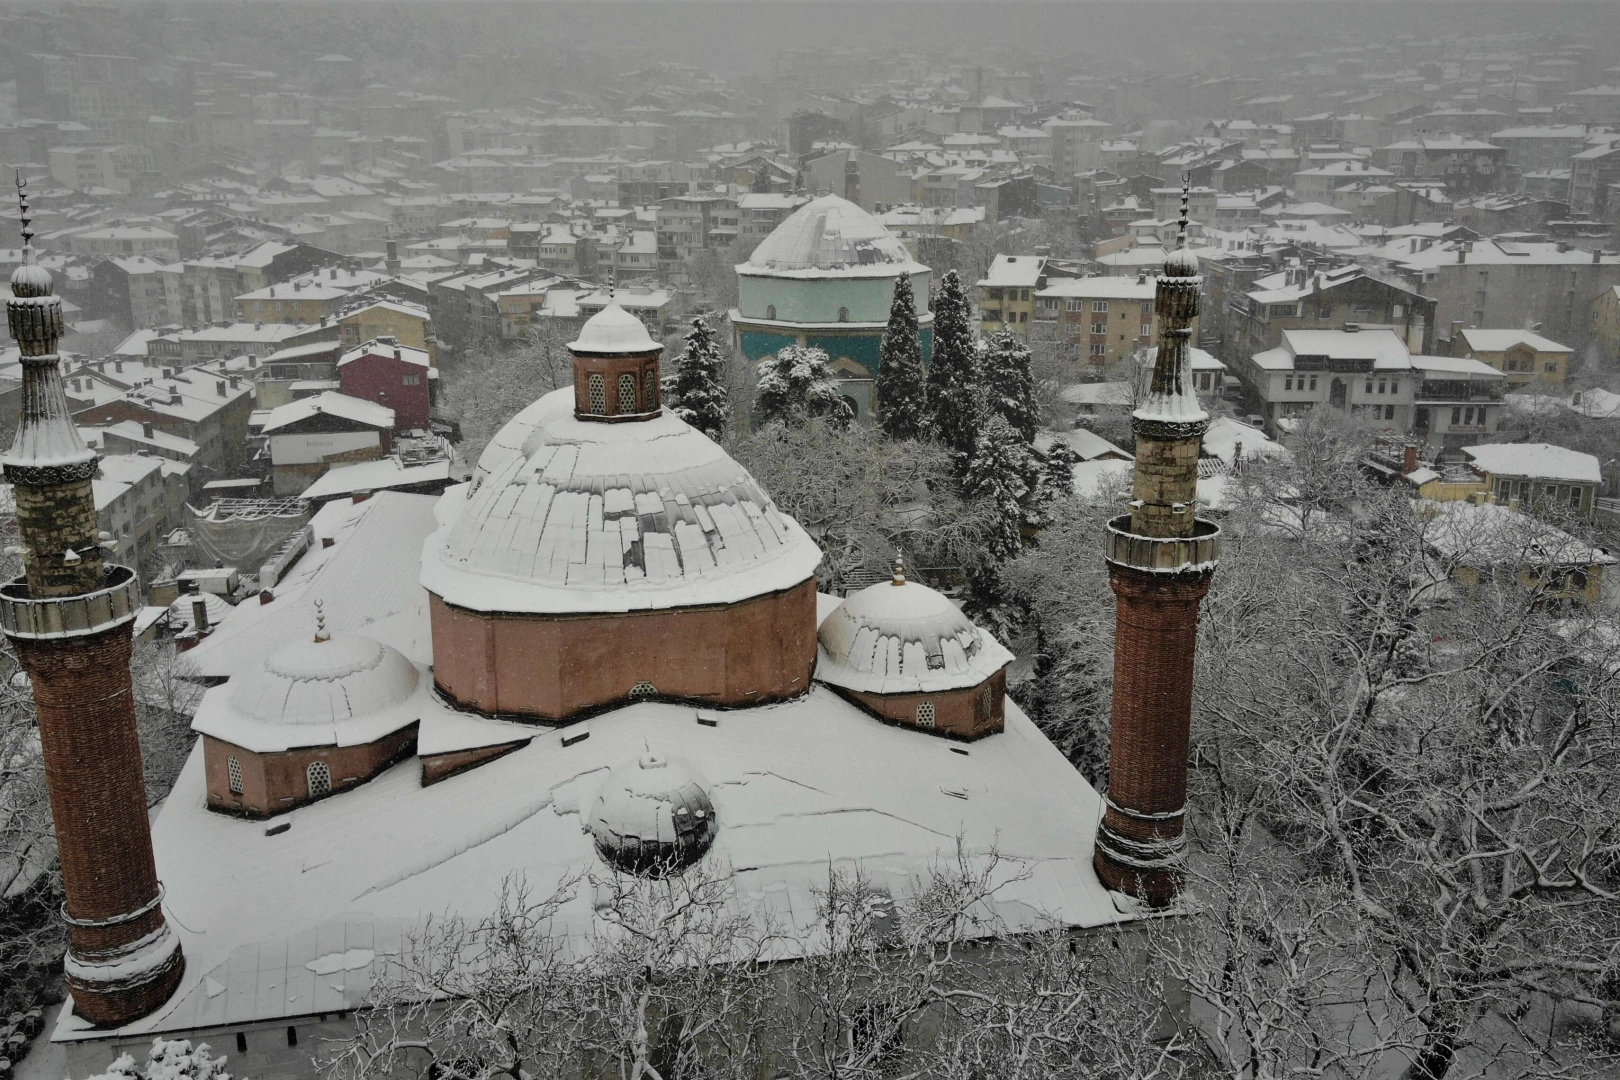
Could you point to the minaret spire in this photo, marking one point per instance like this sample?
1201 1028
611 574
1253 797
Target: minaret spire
1160 560
69 618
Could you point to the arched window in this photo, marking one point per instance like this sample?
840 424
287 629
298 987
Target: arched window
982 712
627 393
650 394
320 779
233 769
925 714
843 314
643 691
598 395
770 312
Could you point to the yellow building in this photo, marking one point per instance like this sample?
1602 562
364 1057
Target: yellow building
1479 542
408 324
1007 293
1606 322
1527 359
292 302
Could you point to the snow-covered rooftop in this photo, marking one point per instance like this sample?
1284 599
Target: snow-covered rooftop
1539 461
898 638
830 237
330 403
613 330
565 515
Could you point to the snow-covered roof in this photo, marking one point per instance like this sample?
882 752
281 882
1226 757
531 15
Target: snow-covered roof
565 515
1489 534
1013 270
830 237
344 691
1225 436
1539 461
1502 340
366 581
1454 366
402 353
379 475
1104 288
1383 347
902 638
301 922
613 330
330 403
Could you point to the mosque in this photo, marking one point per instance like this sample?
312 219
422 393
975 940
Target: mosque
604 652
825 278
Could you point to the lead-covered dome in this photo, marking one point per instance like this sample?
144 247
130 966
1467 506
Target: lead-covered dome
342 691
567 516
651 817
613 331
830 237
901 637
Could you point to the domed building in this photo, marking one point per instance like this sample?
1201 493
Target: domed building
651 817
907 654
606 551
825 277
312 718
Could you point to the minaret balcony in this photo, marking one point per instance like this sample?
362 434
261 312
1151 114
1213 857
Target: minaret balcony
49 618
1197 553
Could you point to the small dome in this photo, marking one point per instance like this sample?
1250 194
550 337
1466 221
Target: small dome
651 817
1181 263
30 279
831 236
611 331
325 682
901 637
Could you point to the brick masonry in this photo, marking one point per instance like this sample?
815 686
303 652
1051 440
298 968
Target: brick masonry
92 752
642 367
970 713
274 783
1156 629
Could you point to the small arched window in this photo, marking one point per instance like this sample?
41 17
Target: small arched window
598 395
233 769
643 691
925 714
320 779
770 312
843 314
627 393
650 393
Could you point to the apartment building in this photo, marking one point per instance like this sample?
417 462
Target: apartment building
1099 319
1526 359
1303 297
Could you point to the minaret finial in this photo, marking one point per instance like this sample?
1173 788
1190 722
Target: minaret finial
27 219
321 633
1186 196
899 568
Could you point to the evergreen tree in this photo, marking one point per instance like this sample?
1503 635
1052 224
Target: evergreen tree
797 384
762 180
1009 385
696 390
1053 483
954 394
997 472
902 382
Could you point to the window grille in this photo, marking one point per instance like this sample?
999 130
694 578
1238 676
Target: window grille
643 691
925 714
651 392
843 314
627 393
598 395
233 767
320 779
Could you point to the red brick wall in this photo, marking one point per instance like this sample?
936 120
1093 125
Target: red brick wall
1156 630
436 767
92 754
969 714
611 368
379 377
554 667
275 783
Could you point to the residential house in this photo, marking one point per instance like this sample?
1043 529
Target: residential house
1303 297
1007 293
409 324
297 371
1481 542
1606 322
210 409
137 291
393 375
1538 477
140 498
1526 358
307 437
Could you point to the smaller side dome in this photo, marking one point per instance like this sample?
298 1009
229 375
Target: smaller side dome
902 637
651 817
613 331
325 682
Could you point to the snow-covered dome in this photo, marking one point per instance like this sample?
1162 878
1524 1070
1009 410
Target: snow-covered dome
611 331
1181 263
831 237
30 279
567 516
345 690
901 637
651 817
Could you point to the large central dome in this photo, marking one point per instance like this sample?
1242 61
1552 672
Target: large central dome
831 237
565 516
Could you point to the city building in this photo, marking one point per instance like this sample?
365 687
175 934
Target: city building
1538 477
1526 358
825 278
393 375
1007 293
1606 322
1102 320
1303 297
307 436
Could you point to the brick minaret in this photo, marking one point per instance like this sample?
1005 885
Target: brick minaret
1160 560
69 619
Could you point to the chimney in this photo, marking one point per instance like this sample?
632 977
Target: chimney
199 613
265 596
258 324
1597 256
1409 459
219 385
146 428
174 397
1563 246
1462 254
118 366
332 274
398 355
360 496
253 360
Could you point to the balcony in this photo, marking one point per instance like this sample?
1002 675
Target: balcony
22 616
1163 555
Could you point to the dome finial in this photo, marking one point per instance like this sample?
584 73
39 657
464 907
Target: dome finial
29 280
321 633
899 569
27 233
